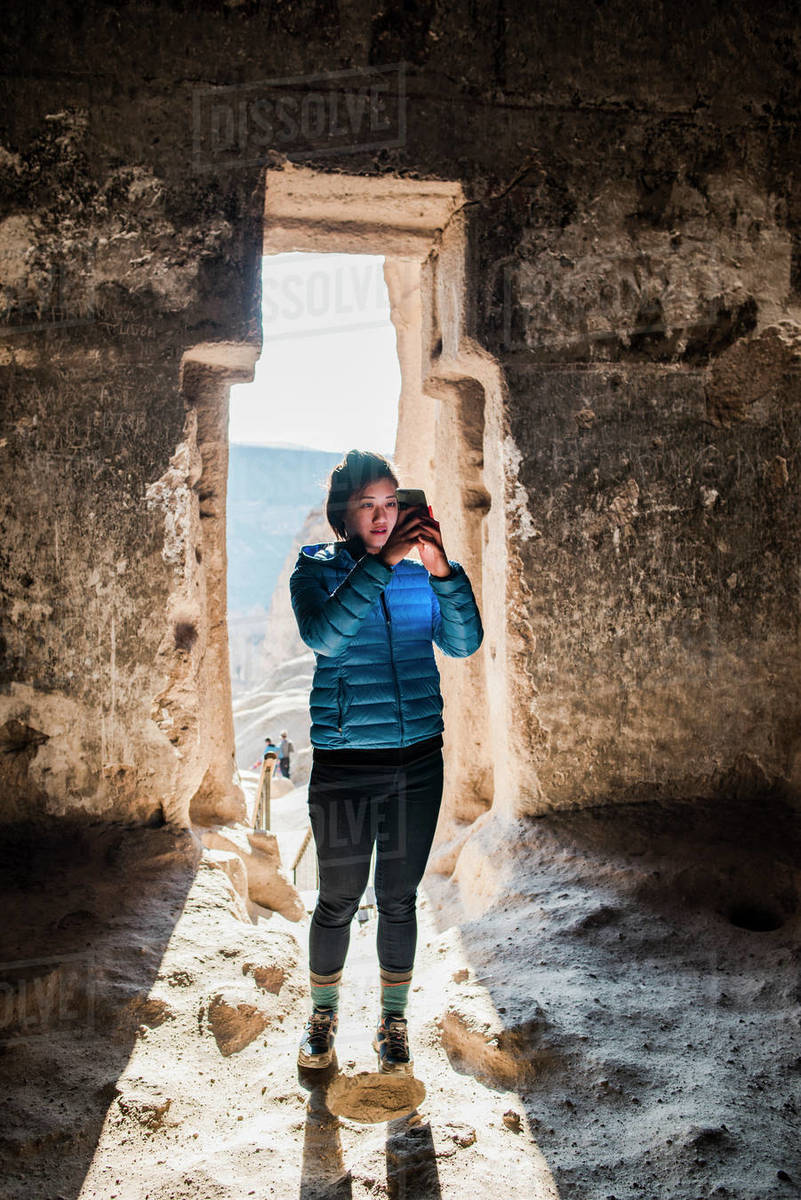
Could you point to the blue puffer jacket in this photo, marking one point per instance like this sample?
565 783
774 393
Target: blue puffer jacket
376 682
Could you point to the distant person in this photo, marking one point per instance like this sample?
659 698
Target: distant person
372 615
285 748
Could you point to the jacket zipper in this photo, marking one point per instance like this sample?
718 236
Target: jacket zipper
385 606
340 688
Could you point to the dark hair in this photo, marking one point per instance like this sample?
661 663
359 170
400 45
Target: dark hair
357 469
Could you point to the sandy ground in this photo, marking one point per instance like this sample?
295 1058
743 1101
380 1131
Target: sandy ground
587 1018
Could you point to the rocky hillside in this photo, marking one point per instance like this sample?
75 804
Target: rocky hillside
282 671
270 492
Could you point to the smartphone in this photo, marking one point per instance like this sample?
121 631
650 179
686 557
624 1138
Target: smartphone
411 498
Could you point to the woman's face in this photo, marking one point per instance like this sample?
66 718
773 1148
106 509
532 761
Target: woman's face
372 512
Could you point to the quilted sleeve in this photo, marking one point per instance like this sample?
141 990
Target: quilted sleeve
327 622
457 628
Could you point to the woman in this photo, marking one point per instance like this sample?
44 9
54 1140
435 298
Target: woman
371 614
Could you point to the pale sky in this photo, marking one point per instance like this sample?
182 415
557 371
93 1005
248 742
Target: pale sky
328 376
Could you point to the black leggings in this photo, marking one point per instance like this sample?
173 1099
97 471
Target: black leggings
351 807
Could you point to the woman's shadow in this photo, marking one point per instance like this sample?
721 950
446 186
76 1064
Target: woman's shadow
411 1162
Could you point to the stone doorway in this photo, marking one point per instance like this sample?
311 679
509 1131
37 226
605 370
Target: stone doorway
450 441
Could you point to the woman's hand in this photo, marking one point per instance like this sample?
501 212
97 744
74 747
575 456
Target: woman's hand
403 537
431 550
416 528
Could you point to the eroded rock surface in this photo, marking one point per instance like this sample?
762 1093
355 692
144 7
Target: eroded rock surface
265 881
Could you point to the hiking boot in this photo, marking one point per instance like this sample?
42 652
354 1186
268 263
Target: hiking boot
317 1044
391 1044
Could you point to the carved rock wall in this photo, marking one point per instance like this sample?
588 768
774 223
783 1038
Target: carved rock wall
632 219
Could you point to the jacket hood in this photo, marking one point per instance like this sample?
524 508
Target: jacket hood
326 552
